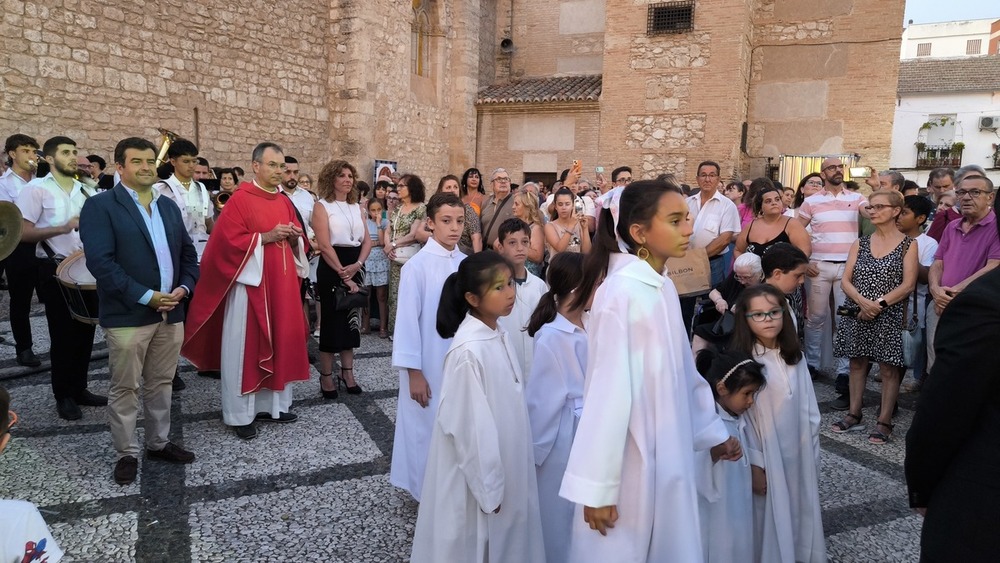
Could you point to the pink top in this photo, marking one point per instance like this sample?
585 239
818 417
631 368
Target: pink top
834 221
963 254
746 214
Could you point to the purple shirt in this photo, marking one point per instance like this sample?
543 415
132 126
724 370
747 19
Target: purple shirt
963 254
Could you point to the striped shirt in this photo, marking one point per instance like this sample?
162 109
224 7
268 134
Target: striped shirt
834 221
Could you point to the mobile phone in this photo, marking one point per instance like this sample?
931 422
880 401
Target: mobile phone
861 171
845 311
577 168
599 170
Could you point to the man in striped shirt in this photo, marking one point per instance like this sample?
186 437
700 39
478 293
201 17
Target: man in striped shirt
833 213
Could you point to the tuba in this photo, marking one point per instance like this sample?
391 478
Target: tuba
220 199
166 137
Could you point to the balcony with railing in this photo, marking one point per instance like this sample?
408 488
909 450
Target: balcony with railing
938 156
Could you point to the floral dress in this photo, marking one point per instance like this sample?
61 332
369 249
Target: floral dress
879 339
399 226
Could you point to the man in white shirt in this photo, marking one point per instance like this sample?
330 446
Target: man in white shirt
51 210
190 195
716 219
20 151
301 199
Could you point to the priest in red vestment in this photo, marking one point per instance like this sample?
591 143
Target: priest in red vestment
245 317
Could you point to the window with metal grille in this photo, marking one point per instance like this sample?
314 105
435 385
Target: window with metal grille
670 17
923 49
973 46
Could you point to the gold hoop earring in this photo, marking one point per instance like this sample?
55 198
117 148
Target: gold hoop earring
642 253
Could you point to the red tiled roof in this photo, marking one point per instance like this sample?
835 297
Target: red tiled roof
968 74
543 90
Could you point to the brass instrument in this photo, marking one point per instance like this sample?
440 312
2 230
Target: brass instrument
166 137
10 228
220 199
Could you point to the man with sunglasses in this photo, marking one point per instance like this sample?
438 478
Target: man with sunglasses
833 213
970 248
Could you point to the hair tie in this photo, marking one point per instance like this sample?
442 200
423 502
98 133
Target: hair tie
611 201
734 368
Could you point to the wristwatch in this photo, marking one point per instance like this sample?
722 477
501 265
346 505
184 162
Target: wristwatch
393 243
883 303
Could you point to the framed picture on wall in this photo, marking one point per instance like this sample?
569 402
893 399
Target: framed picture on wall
384 168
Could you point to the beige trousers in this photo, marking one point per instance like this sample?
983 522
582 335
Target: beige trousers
147 355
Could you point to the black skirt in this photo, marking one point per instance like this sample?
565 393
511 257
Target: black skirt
338 330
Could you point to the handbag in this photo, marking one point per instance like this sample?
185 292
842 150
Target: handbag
404 253
912 339
344 300
725 325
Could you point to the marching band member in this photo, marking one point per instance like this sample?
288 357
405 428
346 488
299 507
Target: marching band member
189 194
127 231
51 210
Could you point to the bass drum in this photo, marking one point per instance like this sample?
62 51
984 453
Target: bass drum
79 288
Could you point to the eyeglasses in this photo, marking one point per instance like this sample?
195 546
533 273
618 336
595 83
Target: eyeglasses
623 181
834 167
814 183
502 180
973 193
760 316
745 280
881 206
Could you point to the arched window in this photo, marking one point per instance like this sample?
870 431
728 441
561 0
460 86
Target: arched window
420 39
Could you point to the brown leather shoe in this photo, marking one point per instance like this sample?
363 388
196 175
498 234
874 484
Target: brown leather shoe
171 453
125 470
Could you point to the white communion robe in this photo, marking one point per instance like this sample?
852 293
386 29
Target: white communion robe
480 458
529 294
727 513
239 409
783 436
417 345
555 399
646 411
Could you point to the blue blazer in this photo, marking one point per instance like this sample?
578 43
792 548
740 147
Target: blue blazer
120 254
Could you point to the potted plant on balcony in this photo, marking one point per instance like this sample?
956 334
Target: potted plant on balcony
921 154
956 154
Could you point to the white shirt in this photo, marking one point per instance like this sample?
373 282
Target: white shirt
45 204
11 185
527 296
926 247
195 204
347 226
303 202
719 215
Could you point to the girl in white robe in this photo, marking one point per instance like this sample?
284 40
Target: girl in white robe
727 510
783 433
417 350
480 501
646 409
555 395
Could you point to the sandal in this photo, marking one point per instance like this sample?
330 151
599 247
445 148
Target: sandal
880 438
356 389
846 425
327 394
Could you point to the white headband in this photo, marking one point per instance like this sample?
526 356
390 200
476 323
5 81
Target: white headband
730 372
611 201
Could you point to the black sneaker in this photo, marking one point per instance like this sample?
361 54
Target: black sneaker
211 374
178 383
27 358
282 417
841 403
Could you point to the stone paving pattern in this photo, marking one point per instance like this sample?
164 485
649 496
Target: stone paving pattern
318 490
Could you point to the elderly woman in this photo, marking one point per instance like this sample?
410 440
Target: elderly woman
746 271
405 233
472 235
344 245
881 273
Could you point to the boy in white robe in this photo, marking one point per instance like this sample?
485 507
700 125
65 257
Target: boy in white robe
515 241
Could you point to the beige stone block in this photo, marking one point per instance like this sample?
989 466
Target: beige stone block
582 16
539 162
25 64
802 62
541 133
798 100
803 137
52 68
798 10
569 66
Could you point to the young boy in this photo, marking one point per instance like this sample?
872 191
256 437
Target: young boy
515 239
911 222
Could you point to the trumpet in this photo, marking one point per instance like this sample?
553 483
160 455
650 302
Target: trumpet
220 199
167 137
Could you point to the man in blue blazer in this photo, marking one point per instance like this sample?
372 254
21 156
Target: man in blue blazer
145 264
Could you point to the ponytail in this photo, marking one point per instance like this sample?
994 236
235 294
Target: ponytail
564 271
452 307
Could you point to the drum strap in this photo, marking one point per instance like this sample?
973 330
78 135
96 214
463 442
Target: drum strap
52 255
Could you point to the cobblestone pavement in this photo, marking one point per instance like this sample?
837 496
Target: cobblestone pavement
318 490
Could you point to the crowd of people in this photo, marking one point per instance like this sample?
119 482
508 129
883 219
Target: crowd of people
549 407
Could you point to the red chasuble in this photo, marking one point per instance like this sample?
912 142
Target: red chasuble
275 352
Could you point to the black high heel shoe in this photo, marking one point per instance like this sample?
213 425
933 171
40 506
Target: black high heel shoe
356 390
327 394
